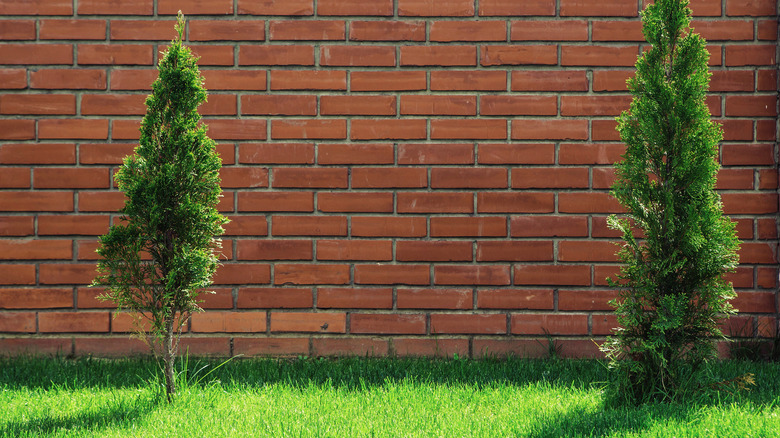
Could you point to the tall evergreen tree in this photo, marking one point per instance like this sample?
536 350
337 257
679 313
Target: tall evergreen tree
677 244
158 259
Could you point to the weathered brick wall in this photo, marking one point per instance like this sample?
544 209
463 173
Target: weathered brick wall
408 176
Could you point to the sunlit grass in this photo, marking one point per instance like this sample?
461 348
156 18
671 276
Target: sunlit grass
364 397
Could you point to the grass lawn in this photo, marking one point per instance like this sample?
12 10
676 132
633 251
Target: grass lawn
365 397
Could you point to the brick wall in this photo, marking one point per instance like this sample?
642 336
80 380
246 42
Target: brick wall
408 176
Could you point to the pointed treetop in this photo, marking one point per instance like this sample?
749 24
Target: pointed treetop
180 25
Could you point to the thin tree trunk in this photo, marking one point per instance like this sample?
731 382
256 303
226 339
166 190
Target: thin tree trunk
168 358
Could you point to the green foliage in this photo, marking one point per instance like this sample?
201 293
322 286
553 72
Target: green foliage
677 244
160 257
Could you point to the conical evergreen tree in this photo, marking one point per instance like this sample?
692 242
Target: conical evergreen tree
157 261
677 242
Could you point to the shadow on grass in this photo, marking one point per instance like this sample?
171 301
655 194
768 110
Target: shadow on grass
122 414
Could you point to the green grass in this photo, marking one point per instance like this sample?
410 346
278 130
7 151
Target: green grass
365 397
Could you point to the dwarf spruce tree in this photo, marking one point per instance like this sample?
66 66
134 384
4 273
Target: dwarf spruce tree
677 244
159 257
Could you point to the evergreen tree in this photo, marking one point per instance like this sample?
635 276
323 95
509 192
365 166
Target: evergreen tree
677 244
158 259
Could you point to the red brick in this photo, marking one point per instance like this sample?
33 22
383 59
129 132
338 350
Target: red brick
436 8
449 55
587 251
340 347
439 153
553 324
52 273
357 105
243 274
17 322
219 105
355 202
81 225
757 253
448 31
274 250
275 347
308 322
617 31
369 323
483 275
523 153
58 347
752 8
122 79
447 129
16 226
438 105
388 226
36 201
273 298
766 130
515 202
604 324
276 201
766 80
589 202
767 30
387 31
464 323
37 7
739 55
594 105
18 274
17 30
559 177
545 80
65 322
585 300
515 8
369 56
454 177
758 203
195 7
431 347
549 129
751 106
392 274
34 298
38 104
433 251
280 104
310 177
497 347
354 298
276 7
705 7
388 129
754 302
328 154
549 30
19 54
603 177
141 30
117 104
236 129
450 202
468 226
515 299
378 250
355 7
115 7
15 177
228 322
387 81
609 8
519 55
13 78
223 30
468 80
518 105
68 79
310 128
276 153
559 275
115 54
309 226
592 153
624 56
276 55
514 251
452 299
724 30
607 80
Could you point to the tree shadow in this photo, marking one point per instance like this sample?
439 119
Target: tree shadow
121 414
